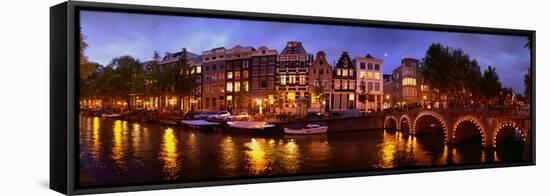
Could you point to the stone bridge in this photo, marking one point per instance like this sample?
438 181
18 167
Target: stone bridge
458 126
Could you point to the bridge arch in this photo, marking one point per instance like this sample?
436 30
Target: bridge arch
425 116
405 123
391 122
471 122
503 127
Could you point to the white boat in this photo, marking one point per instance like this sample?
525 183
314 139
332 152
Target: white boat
249 124
198 123
309 129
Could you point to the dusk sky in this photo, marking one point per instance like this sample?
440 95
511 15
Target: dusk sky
111 35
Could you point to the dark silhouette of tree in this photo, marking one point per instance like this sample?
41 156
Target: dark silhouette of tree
451 72
490 83
527 83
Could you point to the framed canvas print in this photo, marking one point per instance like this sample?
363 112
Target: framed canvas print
147 97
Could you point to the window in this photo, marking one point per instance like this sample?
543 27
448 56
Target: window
370 75
255 61
377 75
351 72
229 87
377 86
214 67
214 102
409 81
292 79
245 74
263 70
424 87
377 67
283 79
370 86
207 68
370 66
245 86
362 65
229 75
302 80
237 75
263 61
237 86
271 60
229 65
344 72
245 64
321 71
255 83
362 75
344 84
198 68
255 71
271 70
263 83
270 83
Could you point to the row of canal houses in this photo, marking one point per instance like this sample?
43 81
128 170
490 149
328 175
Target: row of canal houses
261 80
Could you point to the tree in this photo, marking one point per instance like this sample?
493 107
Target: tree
452 72
183 80
490 83
128 78
363 94
527 83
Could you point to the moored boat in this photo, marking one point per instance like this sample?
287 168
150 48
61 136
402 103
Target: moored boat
309 129
249 125
198 123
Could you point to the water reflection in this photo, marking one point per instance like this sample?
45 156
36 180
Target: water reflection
291 157
116 151
256 159
96 143
169 154
228 155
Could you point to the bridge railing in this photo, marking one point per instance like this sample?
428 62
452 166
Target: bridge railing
477 110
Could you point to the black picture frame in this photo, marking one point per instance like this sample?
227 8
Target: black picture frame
64 91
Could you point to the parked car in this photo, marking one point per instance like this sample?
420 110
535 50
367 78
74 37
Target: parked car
218 116
203 115
237 116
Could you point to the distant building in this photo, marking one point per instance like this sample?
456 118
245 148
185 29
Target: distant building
320 83
292 83
263 76
213 79
370 82
237 77
406 87
343 80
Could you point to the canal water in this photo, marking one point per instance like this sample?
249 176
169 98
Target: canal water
118 152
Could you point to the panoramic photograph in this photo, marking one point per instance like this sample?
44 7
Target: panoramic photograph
171 99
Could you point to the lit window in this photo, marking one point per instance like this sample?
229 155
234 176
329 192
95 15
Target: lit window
283 79
237 86
339 72
245 86
362 75
377 75
237 75
344 73
229 97
302 79
229 87
292 79
409 81
229 75
245 74
370 75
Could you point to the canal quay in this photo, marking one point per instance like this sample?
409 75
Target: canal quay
119 151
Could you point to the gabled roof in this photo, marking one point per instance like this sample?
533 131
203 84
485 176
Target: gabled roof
345 61
294 47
